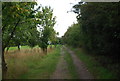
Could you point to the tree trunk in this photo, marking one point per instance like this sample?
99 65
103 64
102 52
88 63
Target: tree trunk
50 46
45 50
7 49
18 47
55 45
4 65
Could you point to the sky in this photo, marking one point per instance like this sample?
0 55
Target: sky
60 9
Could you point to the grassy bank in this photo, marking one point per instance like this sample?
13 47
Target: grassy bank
98 71
32 64
71 67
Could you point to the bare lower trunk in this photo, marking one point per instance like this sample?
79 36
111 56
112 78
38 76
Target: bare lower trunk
50 46
4 65
45 50
7 49
55 45
19 47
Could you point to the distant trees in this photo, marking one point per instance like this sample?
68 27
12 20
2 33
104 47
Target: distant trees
72 36
98 30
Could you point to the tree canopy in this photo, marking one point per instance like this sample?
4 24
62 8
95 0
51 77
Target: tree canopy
98 30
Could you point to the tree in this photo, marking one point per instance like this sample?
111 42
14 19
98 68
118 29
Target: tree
72 36
99 27
17 15
20 26
46 22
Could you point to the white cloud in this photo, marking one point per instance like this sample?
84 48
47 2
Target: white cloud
60 8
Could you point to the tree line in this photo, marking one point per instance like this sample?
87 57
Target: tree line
97 30
27 23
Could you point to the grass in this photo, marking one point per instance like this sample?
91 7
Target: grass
32 64
93 66
71 66
27 47
22 47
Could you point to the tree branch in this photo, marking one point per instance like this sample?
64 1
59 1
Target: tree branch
11 35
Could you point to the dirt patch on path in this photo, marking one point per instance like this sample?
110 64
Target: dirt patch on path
61 71
83 73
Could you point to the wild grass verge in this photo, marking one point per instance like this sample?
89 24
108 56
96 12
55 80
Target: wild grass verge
31 64
94 66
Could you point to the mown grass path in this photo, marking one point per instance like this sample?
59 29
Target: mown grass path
61 71
82 70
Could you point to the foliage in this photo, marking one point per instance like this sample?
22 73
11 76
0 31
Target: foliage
22 26
72 36
98 29
46 24
17 23
98 32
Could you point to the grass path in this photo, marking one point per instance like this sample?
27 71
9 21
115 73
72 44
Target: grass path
70 67
98 71
60 63
61 71
82 70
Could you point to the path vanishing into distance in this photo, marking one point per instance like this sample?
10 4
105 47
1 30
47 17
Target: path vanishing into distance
62 70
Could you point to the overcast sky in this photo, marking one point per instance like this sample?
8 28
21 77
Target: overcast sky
60 8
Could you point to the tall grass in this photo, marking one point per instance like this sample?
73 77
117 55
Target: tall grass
31 63
17 61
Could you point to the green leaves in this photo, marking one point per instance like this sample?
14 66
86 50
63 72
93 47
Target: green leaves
26 30
98 31
46 21
72 36
12 29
